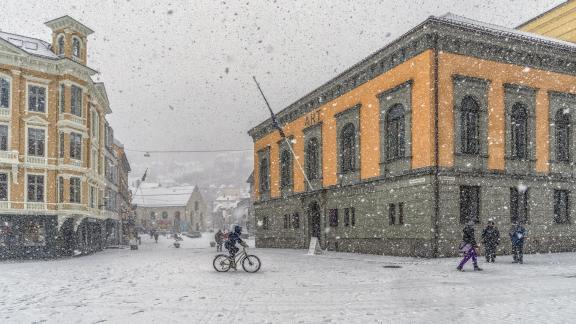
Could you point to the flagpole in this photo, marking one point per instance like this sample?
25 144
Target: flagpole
275 122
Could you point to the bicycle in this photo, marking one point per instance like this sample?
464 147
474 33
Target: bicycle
250 263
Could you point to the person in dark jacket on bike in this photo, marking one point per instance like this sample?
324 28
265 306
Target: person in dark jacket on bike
490 239
468 247
234 238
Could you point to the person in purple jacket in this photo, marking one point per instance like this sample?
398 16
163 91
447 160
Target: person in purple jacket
468 247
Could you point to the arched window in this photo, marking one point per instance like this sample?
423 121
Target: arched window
4 93
76 47
61 45
348 148
470 116
395 132
312 158
264 176
519 124
285 169
164 215
562 124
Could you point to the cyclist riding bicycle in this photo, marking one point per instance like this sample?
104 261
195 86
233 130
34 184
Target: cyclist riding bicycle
234 238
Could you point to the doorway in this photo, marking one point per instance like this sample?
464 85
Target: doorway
314 221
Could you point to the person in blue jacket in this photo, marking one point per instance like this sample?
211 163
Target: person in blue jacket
517 234
234 238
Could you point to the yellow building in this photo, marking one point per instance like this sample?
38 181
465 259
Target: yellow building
558 22
457 121
52 117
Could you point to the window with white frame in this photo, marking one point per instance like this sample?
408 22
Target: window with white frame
3 186
61 145
60 189
61 45
75 190
36 141
95 160
76 100
36 98
3 137
95 125
76 47
92 196
4 92
35 188
76 146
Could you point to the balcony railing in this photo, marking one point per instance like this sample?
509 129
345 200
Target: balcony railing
9 156
76 163
40 160
5 205
71 206
36 206
73 118
4 112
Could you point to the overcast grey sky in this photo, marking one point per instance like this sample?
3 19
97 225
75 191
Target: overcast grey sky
178 73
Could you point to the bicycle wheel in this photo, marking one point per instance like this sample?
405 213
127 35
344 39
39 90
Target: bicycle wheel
221 263
251 263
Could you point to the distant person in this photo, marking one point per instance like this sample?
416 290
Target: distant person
156 236
219 238
517 234
468 247
491 240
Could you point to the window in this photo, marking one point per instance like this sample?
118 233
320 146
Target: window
296 220
562 130
264 181
286 221
3 137
561 207
348 148
92 197
349 216
95 125
76 47
3 186
470 116
61 45
164 215
195 206
312 159
285 169
395 132
401 213
152 215
76 101
75 190
519 131
519 205
35 188
4 93
34 233
469 204
76 146
265 222
36 141
333 217
60 189
391 214
62 99
36 98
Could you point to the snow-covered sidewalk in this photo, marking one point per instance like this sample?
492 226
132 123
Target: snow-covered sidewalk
161 284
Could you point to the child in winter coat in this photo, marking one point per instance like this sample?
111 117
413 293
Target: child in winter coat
517 234
490 239
468 247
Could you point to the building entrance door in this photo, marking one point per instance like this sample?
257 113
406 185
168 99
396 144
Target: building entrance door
314 221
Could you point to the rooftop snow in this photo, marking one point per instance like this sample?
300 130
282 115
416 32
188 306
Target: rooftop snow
29 45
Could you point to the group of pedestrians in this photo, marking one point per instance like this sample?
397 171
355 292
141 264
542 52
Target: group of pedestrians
490 239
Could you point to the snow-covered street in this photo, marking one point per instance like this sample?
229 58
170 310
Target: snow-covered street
158 284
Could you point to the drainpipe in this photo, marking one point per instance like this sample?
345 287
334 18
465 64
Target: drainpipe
436 216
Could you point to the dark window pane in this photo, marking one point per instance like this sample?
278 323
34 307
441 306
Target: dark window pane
348 148
470 111
333 217
469 204
519 131
395 132
562 130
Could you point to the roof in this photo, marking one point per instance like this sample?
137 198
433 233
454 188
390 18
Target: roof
501 30
68 22
545 13
154 195
30 45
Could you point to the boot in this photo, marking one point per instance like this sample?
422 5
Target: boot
477 268
459 268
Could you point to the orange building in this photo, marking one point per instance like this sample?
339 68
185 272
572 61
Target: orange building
456 121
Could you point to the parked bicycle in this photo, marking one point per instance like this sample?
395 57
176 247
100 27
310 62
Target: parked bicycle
250 263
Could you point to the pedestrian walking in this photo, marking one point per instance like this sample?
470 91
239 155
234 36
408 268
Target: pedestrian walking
491 240
219 238
468 247
156 236
517 234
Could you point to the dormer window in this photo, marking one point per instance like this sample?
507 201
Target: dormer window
76 47
61 45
